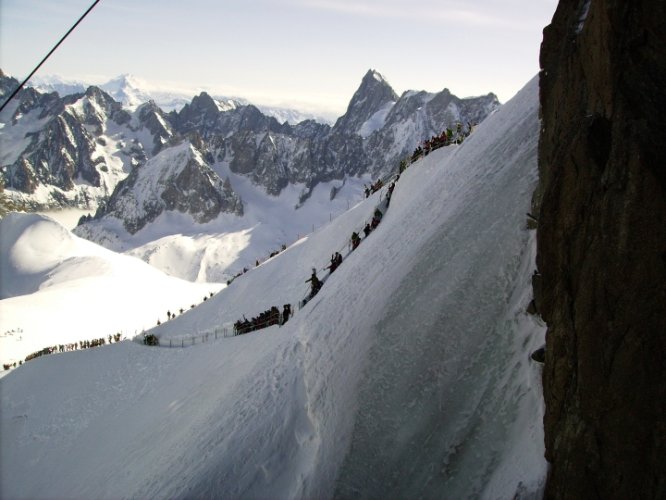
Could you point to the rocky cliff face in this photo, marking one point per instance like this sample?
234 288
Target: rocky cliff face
602 248
372 97
178 179
72 151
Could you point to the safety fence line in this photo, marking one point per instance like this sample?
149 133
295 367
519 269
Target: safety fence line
185 340
226 330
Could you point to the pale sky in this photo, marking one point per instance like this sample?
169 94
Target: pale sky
306 54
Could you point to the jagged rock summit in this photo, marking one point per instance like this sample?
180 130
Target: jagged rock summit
54 143
374 96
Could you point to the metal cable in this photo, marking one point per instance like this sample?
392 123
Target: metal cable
22 84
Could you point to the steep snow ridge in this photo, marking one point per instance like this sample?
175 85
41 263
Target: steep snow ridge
435 396
406 376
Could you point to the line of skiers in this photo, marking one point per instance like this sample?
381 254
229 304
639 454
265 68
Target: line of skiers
257 263
267 318
336 260
74 346
355 241
315 283
373 188
446 138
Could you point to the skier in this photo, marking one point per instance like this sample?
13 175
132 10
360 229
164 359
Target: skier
378 214
334 263
315 284
355 240
286 312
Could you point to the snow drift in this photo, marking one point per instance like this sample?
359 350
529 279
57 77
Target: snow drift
407 375
57 288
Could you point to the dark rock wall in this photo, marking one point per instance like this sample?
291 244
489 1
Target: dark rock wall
602 248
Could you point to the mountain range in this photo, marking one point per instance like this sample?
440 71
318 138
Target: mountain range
74 150
132 91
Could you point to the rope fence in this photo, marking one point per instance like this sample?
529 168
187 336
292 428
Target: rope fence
190 340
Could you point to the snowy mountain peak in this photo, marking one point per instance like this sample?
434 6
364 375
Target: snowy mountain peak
376 75
176 179
126 80
374 83
128 90
204 102
56 83
373 95
7 83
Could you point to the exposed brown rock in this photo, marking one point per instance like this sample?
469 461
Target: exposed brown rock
602 248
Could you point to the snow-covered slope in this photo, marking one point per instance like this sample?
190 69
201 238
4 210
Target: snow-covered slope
57 288
406 376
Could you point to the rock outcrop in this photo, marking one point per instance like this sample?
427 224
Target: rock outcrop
602 248
56 150
177 179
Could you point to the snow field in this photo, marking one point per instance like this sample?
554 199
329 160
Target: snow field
57 288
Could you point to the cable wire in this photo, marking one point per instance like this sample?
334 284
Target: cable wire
22 84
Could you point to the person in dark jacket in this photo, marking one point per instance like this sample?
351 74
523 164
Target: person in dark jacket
315 283
355 240
286 312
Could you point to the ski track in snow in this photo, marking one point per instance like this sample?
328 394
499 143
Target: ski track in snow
406 376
